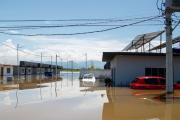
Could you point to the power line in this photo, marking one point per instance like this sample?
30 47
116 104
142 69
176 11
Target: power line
25 52
59 26
94 24
80 33
77 20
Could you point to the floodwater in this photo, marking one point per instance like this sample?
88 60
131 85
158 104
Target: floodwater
41 98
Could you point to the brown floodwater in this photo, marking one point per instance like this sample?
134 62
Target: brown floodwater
41 98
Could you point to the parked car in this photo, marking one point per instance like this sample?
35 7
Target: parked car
150 82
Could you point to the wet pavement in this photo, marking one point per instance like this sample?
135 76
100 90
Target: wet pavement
42 98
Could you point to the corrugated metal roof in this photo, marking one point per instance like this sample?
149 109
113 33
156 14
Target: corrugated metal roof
140 40
163 45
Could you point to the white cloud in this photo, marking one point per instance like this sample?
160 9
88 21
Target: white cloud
76 48
13 31
67 48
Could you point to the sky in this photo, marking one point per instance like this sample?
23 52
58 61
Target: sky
71 47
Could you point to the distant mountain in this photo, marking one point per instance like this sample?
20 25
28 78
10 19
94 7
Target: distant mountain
82 64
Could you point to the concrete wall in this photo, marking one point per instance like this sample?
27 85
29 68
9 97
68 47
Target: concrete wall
1 70
21 70
127 68
5 73
28 70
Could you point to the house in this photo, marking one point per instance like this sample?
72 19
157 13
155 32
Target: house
28 68
6 70
126 66
21 70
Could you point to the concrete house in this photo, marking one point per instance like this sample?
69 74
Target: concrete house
6 70
21 70
126 66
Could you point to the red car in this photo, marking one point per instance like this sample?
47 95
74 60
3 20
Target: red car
150 82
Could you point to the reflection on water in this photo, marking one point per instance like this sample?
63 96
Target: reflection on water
43 98
128 104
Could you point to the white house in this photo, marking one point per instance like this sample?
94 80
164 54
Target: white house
126 66
6 70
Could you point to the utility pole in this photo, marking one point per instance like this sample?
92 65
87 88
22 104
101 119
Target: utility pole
18 62
41 64
86 62
72 67
169 53
51 69
56 66
41 69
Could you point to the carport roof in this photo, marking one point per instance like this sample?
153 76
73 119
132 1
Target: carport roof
108 56
142 39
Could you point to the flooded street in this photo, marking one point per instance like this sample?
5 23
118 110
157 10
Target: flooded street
40 98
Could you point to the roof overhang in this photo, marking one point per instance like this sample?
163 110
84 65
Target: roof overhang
108 56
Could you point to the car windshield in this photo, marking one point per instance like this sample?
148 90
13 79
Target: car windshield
134 81
88 76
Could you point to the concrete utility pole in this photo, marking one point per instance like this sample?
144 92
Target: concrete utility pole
169 53
18 61
41 64
72 67
56 66
51 69
86 62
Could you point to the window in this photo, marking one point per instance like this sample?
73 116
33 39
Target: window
155 72
162 72
29 70
22 70
148 71
8 70
152 81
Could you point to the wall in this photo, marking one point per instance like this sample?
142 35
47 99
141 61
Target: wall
21 70
129 67
5 71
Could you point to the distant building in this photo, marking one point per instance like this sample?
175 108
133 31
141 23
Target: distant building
6 70
28 68
126 66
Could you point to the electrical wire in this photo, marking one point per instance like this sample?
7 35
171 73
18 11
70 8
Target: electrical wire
81 33
25 52
77 20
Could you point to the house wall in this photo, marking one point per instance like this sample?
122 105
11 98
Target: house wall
1 70
28 71
21 70
36 71
5 73
127 68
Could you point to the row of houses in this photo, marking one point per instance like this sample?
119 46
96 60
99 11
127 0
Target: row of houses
29 68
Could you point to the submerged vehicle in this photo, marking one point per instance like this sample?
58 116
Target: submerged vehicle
150 82
89 77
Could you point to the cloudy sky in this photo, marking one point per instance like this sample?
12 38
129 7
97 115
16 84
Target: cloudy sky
72 47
